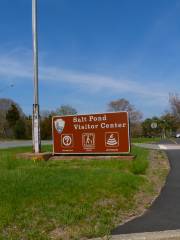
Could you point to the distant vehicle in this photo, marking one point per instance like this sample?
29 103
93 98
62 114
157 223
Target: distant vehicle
177 135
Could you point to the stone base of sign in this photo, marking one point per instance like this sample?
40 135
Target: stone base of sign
88 157
49 156
35 156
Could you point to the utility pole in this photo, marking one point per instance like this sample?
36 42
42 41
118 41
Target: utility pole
36 117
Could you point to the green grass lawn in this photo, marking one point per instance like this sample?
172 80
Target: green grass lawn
66 199
146 140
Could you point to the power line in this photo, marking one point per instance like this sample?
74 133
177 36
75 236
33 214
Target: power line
6 87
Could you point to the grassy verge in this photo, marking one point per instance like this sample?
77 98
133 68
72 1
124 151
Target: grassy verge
68 199
146 140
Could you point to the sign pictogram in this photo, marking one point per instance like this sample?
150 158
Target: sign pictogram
112 139
67 140
59 125
154 125
88 140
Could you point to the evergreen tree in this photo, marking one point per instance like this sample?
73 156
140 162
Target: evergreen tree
20 129
12 115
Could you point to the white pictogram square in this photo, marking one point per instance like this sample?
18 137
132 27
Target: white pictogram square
88 140
67 140
112 139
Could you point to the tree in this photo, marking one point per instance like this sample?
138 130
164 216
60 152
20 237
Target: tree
135 116
66 110
12 115
3 124
20 129
166 125
14 123
174 101
5 105
46 127
124 105
46 119
120 105
148 131
28 126
170 123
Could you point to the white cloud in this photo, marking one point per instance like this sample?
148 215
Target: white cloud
17 65
95 82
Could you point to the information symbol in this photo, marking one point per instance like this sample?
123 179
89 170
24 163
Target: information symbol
67 140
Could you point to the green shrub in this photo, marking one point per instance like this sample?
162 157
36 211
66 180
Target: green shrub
139 166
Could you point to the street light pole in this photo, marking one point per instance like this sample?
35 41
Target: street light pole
36 116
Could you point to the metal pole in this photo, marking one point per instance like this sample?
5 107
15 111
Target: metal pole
36 117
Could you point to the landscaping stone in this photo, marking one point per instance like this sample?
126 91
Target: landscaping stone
87 157
35 156
49 156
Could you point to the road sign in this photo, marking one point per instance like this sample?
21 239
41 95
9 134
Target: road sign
154 125
105 133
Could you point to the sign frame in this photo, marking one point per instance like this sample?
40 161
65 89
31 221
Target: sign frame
93 153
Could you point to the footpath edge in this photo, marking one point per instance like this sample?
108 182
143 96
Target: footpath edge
162 235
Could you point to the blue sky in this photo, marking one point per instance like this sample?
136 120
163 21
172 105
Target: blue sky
92 52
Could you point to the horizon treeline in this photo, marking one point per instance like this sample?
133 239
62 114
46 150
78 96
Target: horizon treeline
15 124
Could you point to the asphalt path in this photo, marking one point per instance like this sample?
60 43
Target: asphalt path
20 143
164 214
177 140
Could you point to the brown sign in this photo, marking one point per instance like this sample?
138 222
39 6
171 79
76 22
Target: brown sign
106 133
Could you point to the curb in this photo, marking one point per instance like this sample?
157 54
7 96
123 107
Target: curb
162 235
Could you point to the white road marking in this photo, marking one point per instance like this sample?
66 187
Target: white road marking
172 140
169 146
162 147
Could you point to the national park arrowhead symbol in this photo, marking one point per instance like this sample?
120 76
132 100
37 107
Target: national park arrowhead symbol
59 125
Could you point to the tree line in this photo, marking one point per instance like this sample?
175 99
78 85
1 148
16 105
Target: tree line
15 124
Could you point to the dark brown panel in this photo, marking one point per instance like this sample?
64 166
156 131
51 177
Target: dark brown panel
106 133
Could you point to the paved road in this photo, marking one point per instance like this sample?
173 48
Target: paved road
177 140
22 143
172 144
164 214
